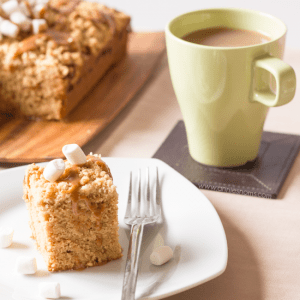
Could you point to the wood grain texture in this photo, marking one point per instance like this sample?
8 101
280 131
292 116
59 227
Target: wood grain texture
26 141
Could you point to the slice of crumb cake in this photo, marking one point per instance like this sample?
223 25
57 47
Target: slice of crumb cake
74 219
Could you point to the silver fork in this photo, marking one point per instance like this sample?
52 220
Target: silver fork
137 220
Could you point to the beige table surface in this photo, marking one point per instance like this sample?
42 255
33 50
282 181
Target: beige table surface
263 235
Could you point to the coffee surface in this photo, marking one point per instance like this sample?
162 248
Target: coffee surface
226 37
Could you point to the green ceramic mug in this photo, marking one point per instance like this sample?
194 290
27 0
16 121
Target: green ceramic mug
224 93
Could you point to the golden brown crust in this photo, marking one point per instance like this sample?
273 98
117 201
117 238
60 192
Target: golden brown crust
37 73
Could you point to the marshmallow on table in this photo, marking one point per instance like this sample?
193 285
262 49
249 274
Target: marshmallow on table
161 255
49 290
10 6
54 169
26 265
6 236
74 154
9 29
19 18
39 25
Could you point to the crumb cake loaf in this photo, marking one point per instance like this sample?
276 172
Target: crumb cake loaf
74 219
53 53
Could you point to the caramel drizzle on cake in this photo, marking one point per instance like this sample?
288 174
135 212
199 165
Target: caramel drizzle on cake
105 18
60 37
71 175
27 44
100 163
64 7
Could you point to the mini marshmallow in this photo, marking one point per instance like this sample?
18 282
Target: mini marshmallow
25 9
6 236
49 290
10 6
9 29
26 265
20 19
38 10
161 255
74 154
54 169
39 25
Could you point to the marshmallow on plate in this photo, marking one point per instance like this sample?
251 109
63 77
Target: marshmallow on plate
54 169
49 290
74 154
9 29
6 236
161 255
10 6
39 25
26 265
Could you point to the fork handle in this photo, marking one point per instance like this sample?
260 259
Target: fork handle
132 263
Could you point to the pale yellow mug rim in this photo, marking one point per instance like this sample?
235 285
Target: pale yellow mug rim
242 10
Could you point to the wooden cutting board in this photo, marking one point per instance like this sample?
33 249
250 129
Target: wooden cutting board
26 141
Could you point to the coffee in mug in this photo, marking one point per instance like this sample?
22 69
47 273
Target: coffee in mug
226 37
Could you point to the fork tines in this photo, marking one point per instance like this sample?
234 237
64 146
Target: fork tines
142 200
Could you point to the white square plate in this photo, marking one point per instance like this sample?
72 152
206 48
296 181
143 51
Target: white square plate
191 227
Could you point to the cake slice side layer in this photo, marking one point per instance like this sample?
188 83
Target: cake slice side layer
75 219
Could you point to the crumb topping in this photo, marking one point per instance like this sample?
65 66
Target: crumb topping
77 184
47 64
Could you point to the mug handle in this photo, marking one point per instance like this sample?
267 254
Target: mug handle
285 78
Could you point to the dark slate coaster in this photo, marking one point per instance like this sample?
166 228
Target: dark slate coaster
263 177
